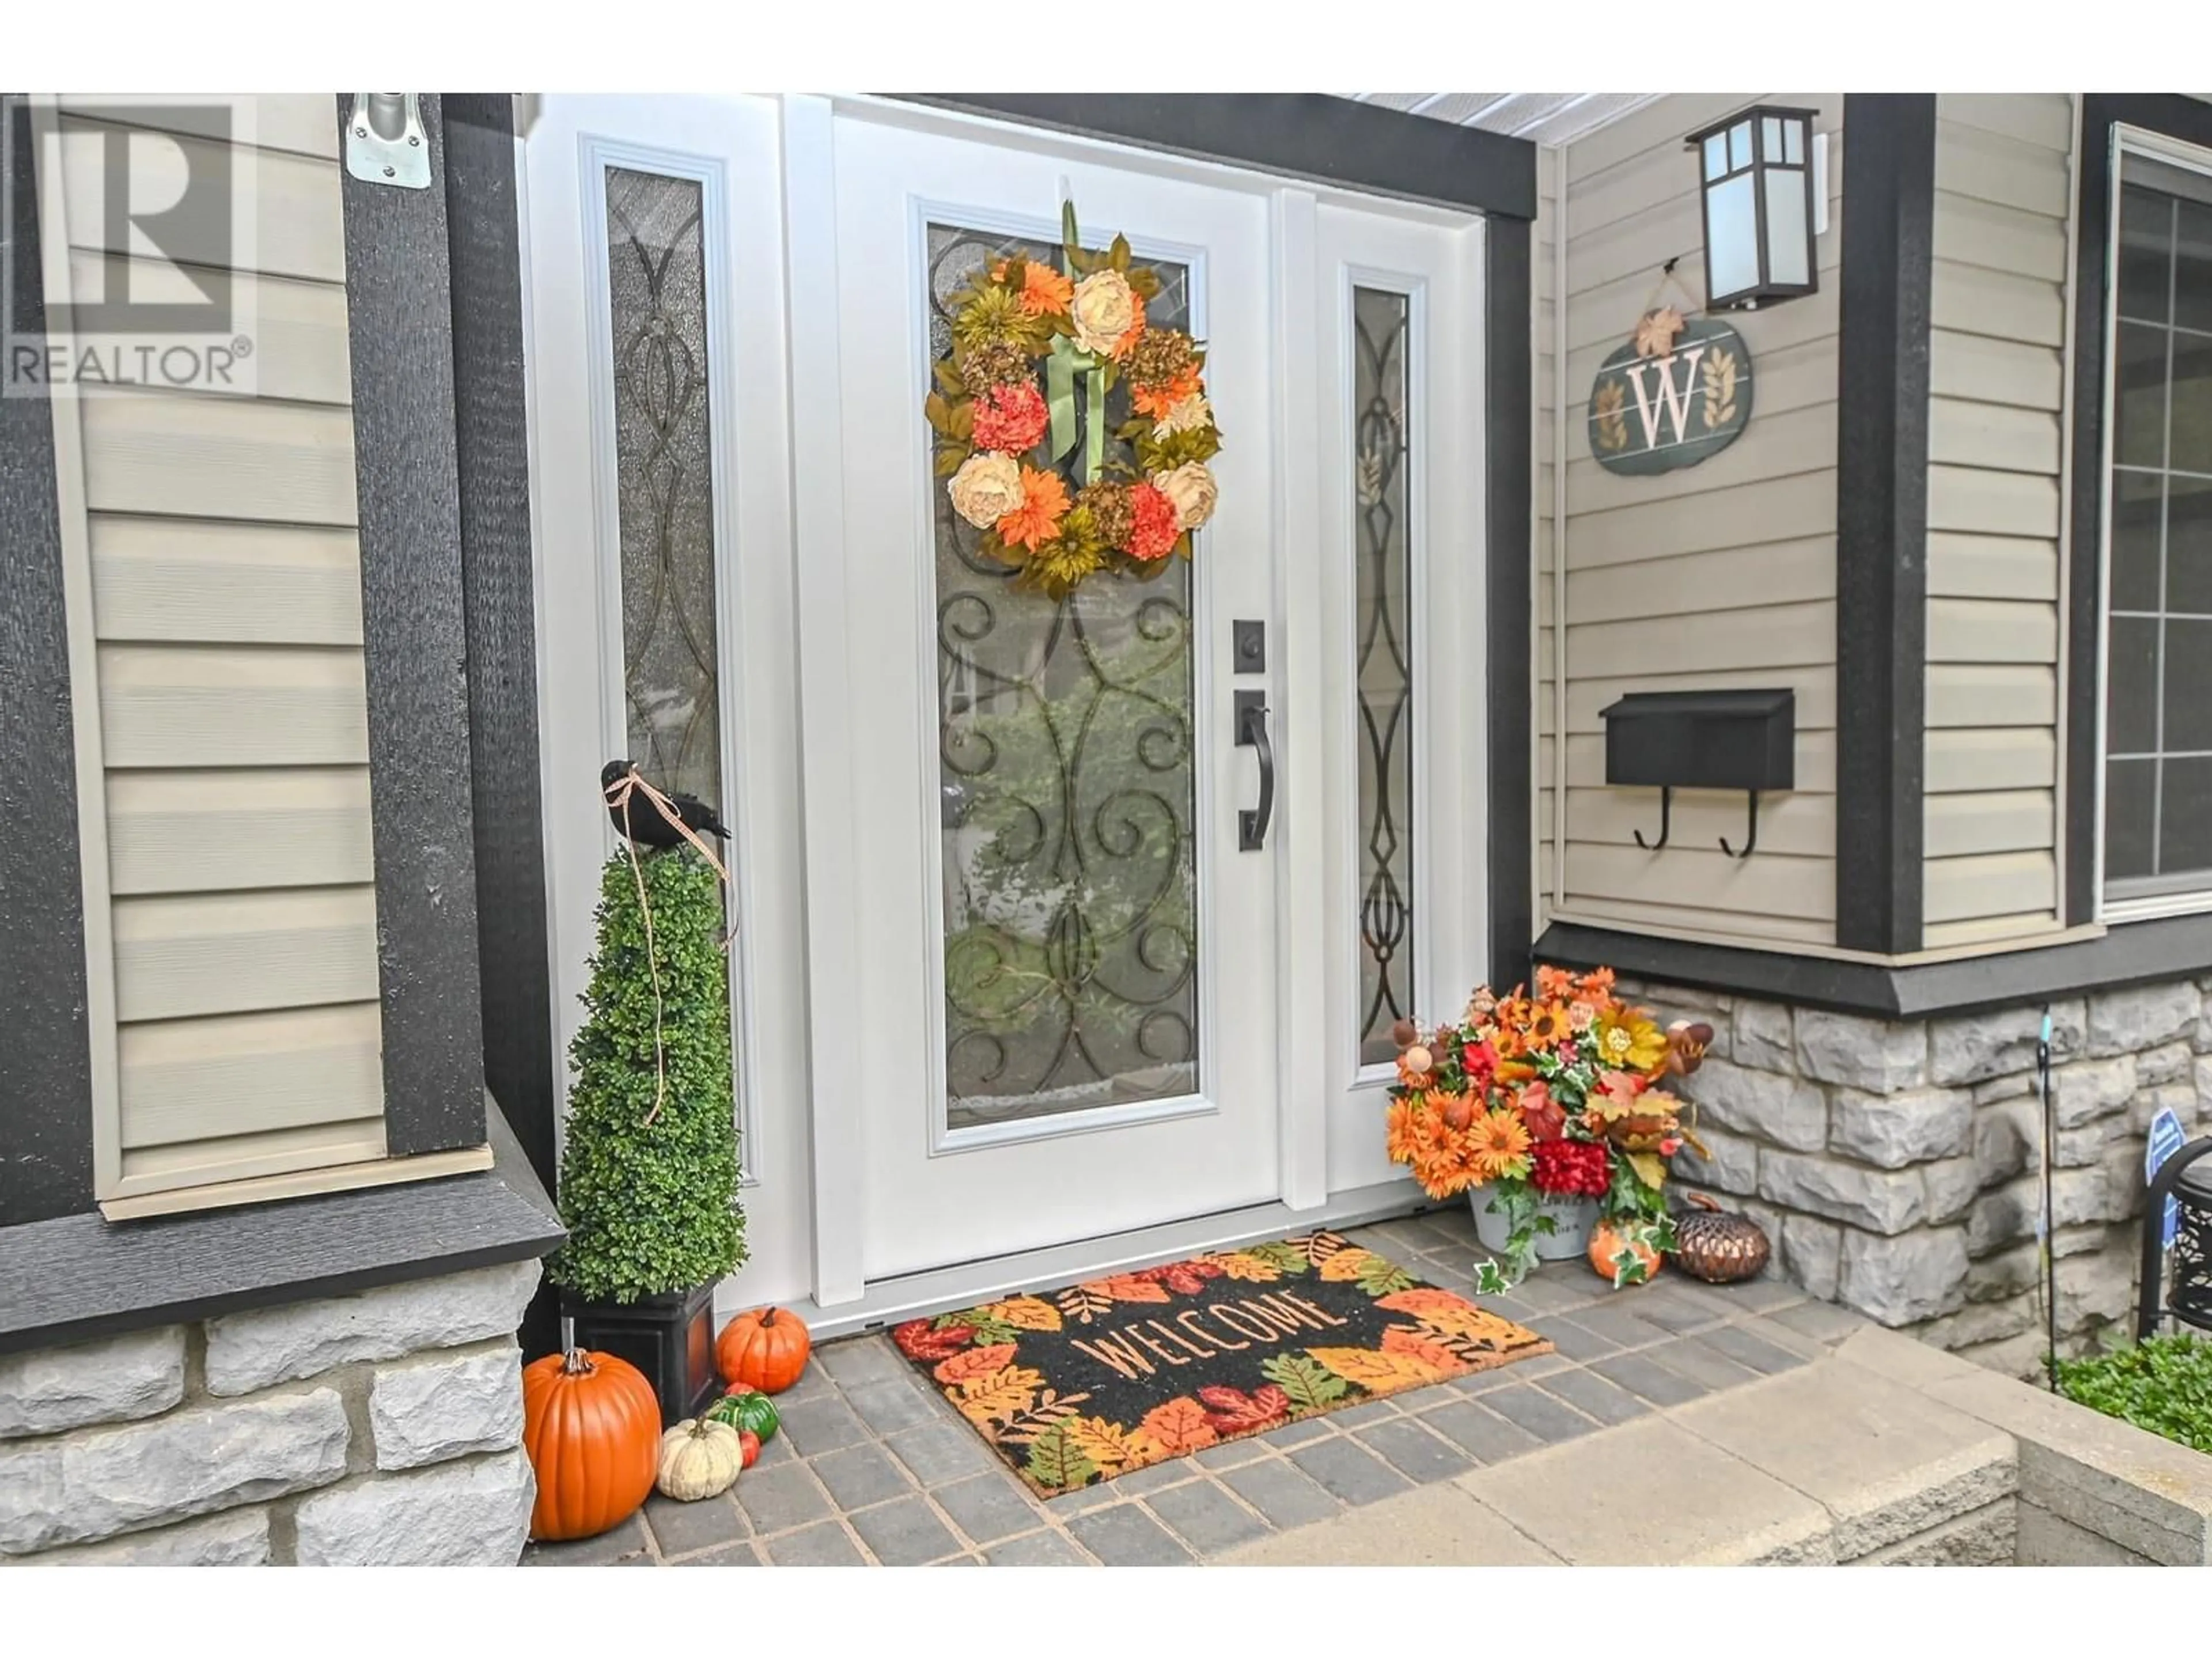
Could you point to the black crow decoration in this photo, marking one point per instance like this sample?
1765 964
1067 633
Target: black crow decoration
647 827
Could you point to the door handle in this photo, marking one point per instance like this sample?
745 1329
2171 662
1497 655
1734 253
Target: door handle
1251 731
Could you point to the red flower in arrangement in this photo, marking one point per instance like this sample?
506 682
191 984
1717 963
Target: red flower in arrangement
1480 1060
1543 1116
1157 523
1011 419
1570 1168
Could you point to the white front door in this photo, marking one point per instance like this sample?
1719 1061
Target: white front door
1065 1024
1009 977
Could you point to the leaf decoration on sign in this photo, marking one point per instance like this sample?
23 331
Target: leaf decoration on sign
1346 1265
1308 1384
1379 1370
1082 1302
1612 416
1656 331
1719 373
1181 1425
1055 1462
1379 1276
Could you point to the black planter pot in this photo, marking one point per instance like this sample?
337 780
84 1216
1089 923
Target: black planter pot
671 1337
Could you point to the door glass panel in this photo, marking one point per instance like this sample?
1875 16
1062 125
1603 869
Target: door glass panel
665 487
1067 798
1383 553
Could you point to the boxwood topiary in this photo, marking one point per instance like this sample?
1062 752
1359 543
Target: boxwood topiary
650 1200
2163 1385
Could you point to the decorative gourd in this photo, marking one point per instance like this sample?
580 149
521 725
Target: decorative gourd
592 1428
1608 1242
751 1443
700 1458
1716 1246
748 1408
765 1349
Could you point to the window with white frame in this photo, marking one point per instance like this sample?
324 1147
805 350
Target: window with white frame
2158 647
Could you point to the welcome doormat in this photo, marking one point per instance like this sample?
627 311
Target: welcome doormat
1077 1385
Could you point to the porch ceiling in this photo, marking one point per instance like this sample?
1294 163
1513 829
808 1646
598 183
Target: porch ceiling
1546 117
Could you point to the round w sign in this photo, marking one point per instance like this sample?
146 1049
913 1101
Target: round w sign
1654 410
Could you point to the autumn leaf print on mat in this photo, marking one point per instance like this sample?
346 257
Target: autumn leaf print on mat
1082 1383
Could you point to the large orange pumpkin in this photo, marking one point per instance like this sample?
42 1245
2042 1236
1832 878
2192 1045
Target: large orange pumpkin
1606 1242
592 1427
765 1349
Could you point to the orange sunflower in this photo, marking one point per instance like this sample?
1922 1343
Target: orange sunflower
1399 1131
1036 520
1498 1147
1547 1025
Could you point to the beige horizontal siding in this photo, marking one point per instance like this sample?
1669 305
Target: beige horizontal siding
1995 478
225 576
1721 575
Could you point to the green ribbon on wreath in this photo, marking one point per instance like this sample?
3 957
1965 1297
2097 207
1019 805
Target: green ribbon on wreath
1062 366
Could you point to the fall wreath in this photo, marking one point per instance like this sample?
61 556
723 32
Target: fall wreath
1021 410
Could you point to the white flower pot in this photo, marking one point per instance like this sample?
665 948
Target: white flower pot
1572 1219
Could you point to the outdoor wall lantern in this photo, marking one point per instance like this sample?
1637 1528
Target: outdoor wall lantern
1762 176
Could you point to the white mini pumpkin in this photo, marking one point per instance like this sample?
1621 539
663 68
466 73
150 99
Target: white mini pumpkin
699 1460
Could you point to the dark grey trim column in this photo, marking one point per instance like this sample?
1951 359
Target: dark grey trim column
492 442
1881 518
45 1075
397 282
1508 284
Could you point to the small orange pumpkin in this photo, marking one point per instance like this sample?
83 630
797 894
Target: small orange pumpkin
765 1349
1607 1241
592 1428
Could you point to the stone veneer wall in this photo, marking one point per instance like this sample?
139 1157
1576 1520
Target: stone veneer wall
1895 1164
382 1429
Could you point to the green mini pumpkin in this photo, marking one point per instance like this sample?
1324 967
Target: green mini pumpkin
747 1409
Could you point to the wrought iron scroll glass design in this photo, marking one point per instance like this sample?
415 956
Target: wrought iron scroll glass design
1381 326
1067 800
657 287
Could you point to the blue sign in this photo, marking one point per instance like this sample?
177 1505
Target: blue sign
2165 1139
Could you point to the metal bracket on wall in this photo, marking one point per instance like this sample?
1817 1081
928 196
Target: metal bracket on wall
1666 821
384 140
1751 834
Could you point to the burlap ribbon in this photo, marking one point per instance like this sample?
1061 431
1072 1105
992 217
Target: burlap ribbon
617 795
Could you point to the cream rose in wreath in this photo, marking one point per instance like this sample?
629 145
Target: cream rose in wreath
986 489
1192 488
1108 317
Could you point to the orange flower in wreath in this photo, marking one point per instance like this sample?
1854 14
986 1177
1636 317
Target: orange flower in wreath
1156 400
1036 520
1045 292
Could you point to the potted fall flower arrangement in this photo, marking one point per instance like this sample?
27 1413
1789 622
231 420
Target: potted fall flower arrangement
1547 1110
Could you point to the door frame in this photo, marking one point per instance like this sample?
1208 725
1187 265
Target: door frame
844 1298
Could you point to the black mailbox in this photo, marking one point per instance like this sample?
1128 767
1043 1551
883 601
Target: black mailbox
1670 740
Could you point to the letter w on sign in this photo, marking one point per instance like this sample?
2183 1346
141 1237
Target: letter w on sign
1668 400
